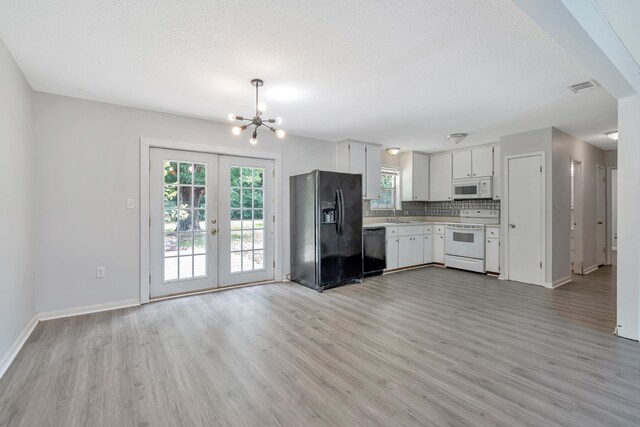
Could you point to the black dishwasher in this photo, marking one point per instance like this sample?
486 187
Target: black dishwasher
373 239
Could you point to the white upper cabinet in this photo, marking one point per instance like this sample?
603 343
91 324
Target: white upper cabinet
373 174
414 181
473 163
482 162
364 159
462 164
497 173
440 177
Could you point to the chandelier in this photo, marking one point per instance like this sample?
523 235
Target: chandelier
257 120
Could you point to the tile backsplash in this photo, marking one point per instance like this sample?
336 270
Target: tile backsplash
446 209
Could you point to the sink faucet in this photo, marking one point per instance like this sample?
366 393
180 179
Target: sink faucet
395 217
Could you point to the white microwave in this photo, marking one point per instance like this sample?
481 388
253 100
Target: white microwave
480 188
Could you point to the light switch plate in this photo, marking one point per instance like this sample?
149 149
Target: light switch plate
130 204
101 272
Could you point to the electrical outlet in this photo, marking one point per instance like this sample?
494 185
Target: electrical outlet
101 272
130 204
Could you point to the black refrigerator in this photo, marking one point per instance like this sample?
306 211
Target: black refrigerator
326 229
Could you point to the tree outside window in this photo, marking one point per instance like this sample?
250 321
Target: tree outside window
389 196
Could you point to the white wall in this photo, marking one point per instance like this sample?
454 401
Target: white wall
88 165
17 298
565 148
628 293
522 143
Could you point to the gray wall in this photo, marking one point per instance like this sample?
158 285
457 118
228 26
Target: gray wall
565 148
628 272
88 165
523 143
17 299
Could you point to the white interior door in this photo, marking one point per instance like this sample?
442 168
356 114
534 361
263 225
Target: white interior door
614 209
601 208
525 219
183 214
246 205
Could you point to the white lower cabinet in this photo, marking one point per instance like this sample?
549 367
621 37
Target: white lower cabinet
438 248
410 251
492 255
392 252
427 255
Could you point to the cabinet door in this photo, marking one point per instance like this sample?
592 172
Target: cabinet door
358 162
404 251
482 161
417 250
427 251
497 173
372 178
462 164
438 248
420 176
440 177
492 251
392 253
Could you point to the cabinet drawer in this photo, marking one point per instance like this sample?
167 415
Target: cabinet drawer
392 231
438 229
411 230
428 229
493 232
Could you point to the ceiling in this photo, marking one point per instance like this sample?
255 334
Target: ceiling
623 15
400 73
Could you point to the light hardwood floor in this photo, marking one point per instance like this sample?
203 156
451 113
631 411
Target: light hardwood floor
422 347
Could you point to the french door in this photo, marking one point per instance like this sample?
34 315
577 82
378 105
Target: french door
211 221
246 206
183 222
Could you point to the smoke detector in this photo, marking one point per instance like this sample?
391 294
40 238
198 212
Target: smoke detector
584 86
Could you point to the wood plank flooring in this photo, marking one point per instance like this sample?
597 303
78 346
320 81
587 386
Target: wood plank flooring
421 347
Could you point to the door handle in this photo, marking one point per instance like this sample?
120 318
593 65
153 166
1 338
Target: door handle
214 231
512 225
599 222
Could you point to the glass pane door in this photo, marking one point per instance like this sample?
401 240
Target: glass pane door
246 204
183 221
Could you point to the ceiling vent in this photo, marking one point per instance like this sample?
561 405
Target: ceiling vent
584 86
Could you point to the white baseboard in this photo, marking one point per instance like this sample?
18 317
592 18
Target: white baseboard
17 345
560 282
590 269
77 311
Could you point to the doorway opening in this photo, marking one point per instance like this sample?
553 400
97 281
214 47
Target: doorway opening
613 201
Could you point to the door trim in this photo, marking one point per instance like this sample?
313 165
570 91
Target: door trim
144 203
505 214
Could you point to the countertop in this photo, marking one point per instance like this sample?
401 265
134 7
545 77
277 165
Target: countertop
381 222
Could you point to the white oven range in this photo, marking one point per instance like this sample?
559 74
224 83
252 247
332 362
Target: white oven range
464 241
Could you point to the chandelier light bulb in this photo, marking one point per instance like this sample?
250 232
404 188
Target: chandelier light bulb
262 107
253 141
278 120
280 133
231 117
236 130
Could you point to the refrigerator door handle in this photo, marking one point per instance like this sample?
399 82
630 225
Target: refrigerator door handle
341 212
338 212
